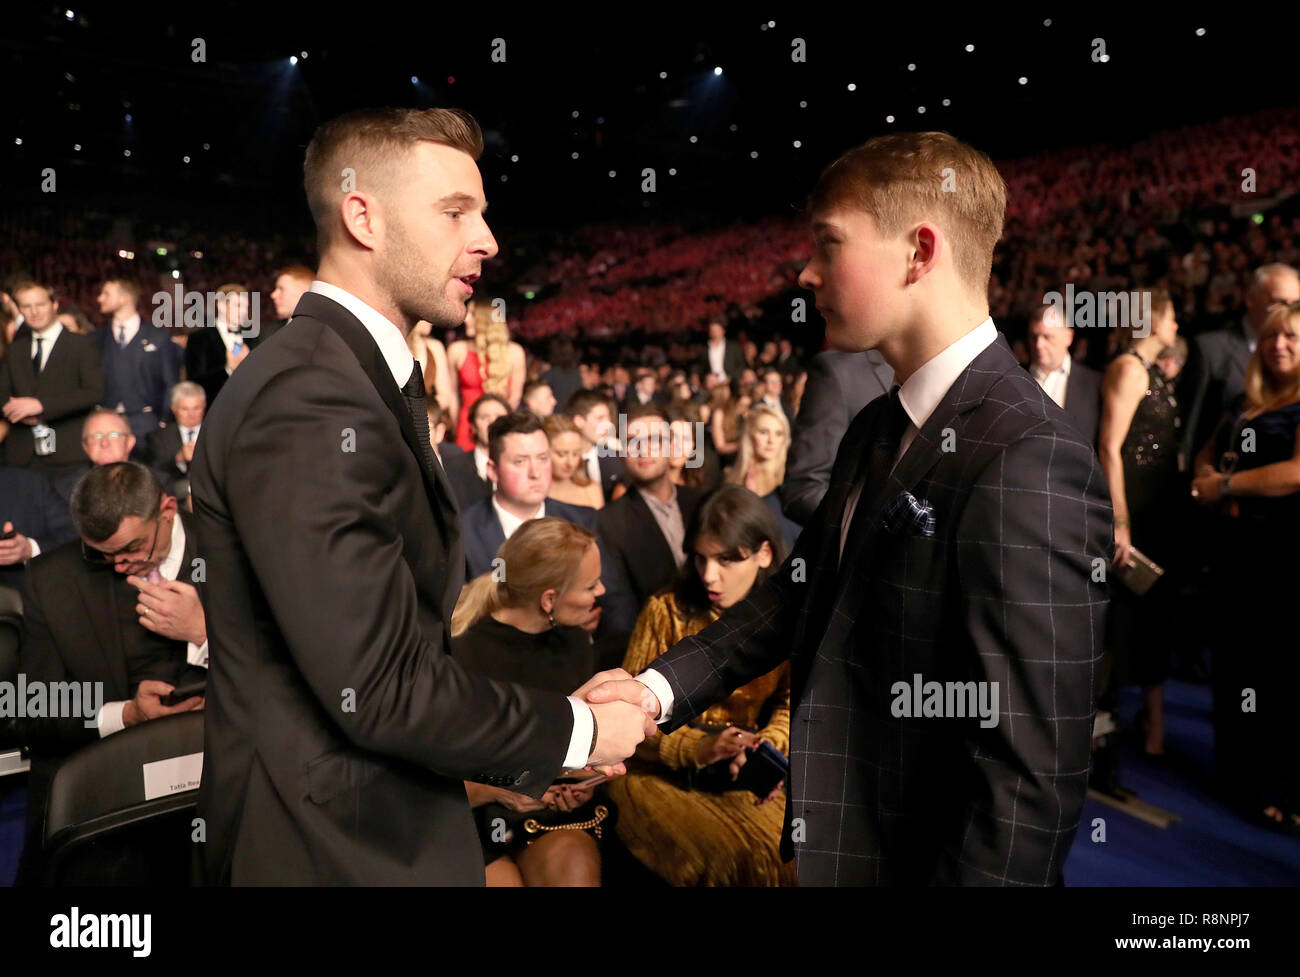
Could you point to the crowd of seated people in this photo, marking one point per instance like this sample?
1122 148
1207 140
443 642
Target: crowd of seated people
669 457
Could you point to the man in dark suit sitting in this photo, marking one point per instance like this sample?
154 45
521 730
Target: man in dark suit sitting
467 470
37 516
591 414
141 363
171 446
49 381
839 385
118 607
943 610
648 560
1215 374
1074 387
644 392
519 466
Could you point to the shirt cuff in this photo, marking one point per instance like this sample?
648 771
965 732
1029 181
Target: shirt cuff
36 547
580 742
109 720
197 654
657 684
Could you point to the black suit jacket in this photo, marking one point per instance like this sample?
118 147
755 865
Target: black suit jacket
465 483
205 356
71 633
1214 377
733 361
839 385
69 386
163 446
1003 591
29 502
632 537
339 730
484 536
1082 399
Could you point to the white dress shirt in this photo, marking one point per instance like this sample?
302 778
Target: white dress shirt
480 461
47 339
109 719
1055 382
919 396
129 327
717 357
510 522
592 461
392 345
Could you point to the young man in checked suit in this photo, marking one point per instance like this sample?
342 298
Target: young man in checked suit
963 539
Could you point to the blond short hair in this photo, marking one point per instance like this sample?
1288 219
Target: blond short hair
905 177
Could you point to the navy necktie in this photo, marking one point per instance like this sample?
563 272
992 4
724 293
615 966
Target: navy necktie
36 357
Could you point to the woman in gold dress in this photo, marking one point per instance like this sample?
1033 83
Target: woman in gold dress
690 837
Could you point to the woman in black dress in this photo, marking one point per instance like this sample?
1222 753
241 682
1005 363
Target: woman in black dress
1256 487
533 626
1139 454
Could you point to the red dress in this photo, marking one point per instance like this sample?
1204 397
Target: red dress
471 388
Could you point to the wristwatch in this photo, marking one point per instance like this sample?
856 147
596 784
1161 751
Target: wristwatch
1223 484
595 732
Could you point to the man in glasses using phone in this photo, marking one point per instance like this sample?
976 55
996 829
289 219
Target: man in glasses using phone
118 608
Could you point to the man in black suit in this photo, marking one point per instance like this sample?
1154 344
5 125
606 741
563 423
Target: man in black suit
141 364
467 471
214 353
339 731
943 611
648 560
519 466
1215 374
644 392
171 446
49 381
592 415
118 607
839 385
722 356
1073 387
38 517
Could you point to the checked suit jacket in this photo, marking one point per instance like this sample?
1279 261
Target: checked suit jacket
1003 591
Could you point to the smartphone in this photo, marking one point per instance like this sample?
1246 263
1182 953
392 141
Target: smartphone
237 347
182 692
589 782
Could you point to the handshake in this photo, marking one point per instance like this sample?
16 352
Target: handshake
625 712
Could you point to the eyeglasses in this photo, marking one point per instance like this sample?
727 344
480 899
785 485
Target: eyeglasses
111 435
100 558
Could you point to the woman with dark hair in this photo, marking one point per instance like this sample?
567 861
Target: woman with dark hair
684 833
532 625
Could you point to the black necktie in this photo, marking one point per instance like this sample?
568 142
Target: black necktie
877 462
36 357
414 394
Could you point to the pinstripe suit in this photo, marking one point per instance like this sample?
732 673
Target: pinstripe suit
1003 591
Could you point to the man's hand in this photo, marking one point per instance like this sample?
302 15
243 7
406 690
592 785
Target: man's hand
234 359
172 609
185 455
147 705
620 726
626 688
18 549
20 408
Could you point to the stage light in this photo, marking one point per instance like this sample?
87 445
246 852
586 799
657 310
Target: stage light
911 67
970 48
889 118
126 152
206 146
575 113
1200 32
771 23
695 139
293 59
798 144
574 156
76 147
303 55
451 79
504 178
530 294
803 105
920 110
732 127
197 254
18 142
161 252
1024 80
1257 218
514 159
185 159
415 80
852 87
1047 22
128 117
663 74
753 154
612 174
672 171
69 14
947 102
175 273
718 70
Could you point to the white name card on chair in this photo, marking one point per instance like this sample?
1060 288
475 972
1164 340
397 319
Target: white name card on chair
172 776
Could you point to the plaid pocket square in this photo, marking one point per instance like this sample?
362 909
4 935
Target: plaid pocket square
908 513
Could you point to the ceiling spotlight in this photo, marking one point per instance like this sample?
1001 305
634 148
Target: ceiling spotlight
206 146
889 118
803 105
732 127
1047 22
672 171
573 155
185 159
18 142
514 159
128 117
947 102
797 144
920 110
504 178
911 67
852 87
1200 32
753 154
126 152
663 74
717 70
771 23
293 59
695 138
76 148
611 174
1024 80
303 55
415 80
69 14
970 48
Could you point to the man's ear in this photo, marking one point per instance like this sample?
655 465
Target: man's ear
927 243
491 469
168 505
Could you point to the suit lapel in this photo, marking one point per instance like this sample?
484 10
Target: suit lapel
96 591
642 516
349 328
23 369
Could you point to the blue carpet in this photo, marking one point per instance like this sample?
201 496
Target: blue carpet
1211 845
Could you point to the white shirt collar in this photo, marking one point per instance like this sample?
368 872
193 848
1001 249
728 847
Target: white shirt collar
170 568
480 461
50 334
921 394
387 336
510 522
1063 368
129 328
